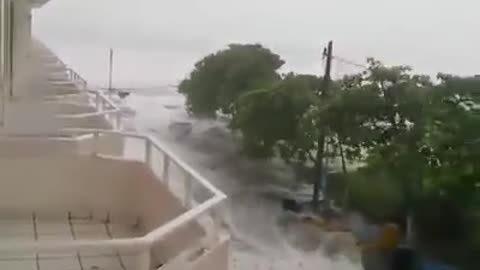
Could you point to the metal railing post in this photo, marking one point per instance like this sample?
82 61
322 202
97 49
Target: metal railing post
96 143
188 191
98 101
144 260
108 116
148 152
217 219
166 165
118 121
213 234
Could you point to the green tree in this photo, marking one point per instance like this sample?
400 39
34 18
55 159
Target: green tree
424 146
383 120
220 78
269 118
453 138
418 143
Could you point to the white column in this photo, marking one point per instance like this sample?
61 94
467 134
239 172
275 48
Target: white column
144 260
3 43
3 38
21 47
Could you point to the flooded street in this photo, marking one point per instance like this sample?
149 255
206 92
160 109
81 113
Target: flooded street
263 237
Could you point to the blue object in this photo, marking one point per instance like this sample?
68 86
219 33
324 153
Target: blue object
431 265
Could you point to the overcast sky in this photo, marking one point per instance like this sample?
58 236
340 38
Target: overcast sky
157 41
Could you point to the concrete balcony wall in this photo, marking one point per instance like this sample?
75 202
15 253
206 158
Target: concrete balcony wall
124 192
88 122
40 92
217 258
53 108
35 117
29 117
106 144
69 108
54 184
109 144
36 148
100 188
154 216
78 98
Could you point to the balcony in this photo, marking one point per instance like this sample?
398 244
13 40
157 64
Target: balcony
53 98
98 211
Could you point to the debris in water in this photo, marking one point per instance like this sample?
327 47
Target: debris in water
181 129
171 107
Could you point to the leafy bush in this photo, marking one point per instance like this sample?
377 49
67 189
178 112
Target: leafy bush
379 198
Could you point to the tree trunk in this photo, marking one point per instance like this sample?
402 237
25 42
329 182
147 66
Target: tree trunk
319 167
409 229
345 173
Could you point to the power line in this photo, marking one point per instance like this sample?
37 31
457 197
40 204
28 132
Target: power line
342 60
348 62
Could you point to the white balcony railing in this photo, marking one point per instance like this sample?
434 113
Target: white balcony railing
74 77
161 161
103 107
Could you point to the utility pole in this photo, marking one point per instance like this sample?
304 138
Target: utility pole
328 54
319 159
110 71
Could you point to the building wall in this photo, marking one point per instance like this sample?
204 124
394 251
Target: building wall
35 148
4 56
21 50
15 40
15 47
3 29
106 144
55 184
35 117
70 108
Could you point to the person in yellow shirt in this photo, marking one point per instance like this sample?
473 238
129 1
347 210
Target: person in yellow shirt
388 239
387 253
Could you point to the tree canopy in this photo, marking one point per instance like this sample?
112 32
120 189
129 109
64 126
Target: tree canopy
268 117
220 78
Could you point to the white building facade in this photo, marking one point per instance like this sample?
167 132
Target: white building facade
70 195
